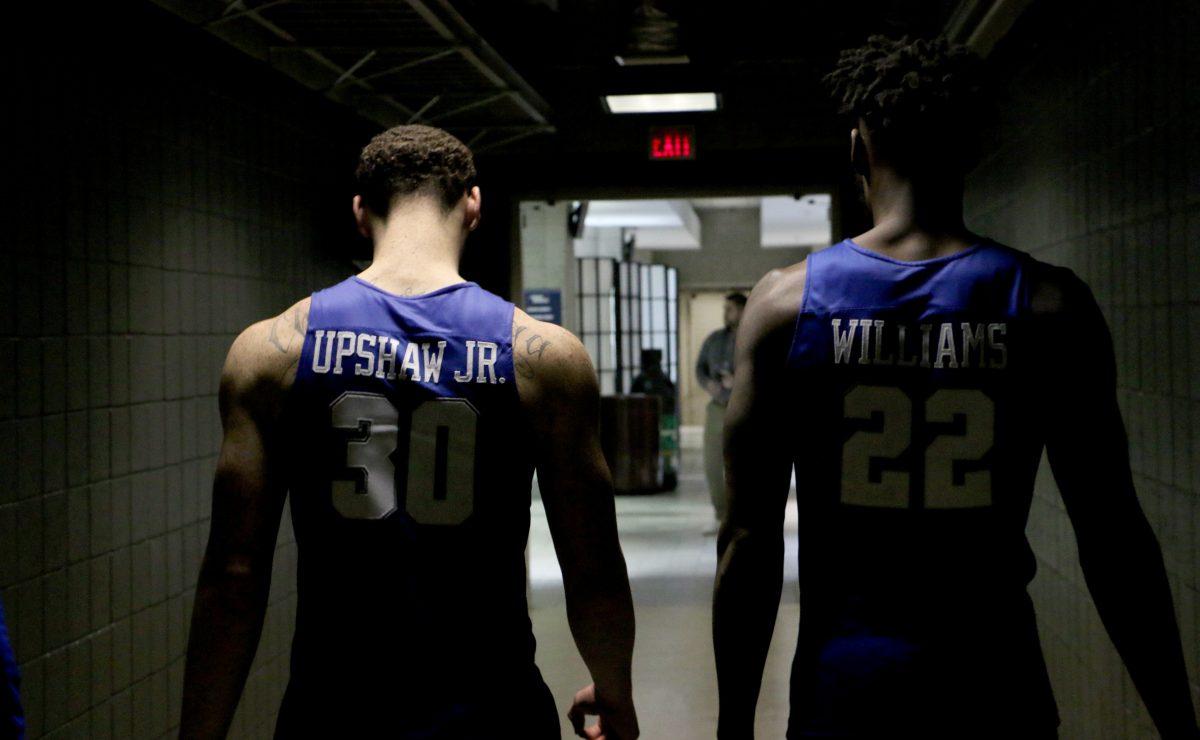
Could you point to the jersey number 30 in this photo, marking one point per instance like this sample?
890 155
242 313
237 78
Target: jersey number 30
890 488
441 459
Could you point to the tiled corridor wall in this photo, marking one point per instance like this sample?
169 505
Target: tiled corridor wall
1099 170
163 193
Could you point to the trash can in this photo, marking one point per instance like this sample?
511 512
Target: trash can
629 435
653 381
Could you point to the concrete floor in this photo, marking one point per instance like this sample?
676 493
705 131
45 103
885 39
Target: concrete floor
671 566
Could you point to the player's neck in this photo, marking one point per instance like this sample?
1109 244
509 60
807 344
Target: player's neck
911 215
416 251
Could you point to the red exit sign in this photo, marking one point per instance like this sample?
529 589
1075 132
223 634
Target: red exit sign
673 142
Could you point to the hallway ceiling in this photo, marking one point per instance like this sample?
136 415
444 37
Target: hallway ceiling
392 61
522 81
763 57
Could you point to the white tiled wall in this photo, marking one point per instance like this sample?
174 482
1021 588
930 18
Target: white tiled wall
1099 170
168 193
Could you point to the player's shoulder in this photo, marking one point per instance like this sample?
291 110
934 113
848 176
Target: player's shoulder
781 285
264 356
1055 290
775 301
548 357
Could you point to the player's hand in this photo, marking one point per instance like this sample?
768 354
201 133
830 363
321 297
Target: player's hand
617 719
727 380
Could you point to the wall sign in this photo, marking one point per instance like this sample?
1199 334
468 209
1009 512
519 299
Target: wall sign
544 304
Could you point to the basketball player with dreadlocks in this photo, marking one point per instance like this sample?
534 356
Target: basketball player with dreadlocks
920 370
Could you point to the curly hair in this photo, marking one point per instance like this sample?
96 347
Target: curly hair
912 93
405 160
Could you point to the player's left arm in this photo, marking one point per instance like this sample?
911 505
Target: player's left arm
560 400
1089 454
248 497
757 474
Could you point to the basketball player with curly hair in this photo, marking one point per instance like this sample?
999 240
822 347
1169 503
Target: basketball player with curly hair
913 376
403 412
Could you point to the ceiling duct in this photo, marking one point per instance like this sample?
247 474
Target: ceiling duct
653 38
980 24
392 61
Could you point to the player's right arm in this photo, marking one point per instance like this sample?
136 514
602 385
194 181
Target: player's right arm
1089 454
757 475
248 497
560 399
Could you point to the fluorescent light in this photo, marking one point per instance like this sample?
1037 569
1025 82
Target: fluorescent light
651 60
726 202
662 102
677 238
657 224
631 213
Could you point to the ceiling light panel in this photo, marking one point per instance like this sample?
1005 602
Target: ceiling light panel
662 102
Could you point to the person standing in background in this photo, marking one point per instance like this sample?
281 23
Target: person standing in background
714 370
12 719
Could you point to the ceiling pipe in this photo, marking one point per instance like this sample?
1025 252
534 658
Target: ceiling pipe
450 25
981 24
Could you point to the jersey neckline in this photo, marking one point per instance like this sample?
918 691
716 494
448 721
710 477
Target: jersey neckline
914 263
416 297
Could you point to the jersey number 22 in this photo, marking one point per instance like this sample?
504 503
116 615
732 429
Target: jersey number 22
943 489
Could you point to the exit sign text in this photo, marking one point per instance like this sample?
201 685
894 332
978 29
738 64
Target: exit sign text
673 142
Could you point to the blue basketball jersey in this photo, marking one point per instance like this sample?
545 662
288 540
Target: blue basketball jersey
917 444
409 482
12 718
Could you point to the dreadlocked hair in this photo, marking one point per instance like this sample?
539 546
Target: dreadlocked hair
912 94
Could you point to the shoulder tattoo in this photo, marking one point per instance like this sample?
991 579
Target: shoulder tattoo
530 347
